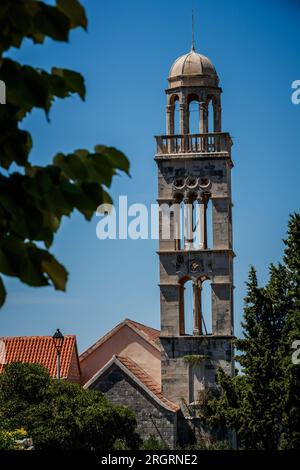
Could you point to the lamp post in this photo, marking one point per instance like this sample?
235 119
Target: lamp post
58 340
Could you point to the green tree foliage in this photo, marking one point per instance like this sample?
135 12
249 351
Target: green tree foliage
290 383
153 443
58 414
262 404
207 444
34 199
10 438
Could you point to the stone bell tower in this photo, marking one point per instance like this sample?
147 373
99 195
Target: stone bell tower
194 177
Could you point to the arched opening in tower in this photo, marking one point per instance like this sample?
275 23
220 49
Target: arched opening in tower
194 117
173 116
209 229
195 306
188 307
176 117
193 114
206 309
210 111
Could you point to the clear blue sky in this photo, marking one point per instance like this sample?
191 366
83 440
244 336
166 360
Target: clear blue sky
125 57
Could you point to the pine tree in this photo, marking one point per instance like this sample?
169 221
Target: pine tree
290 384
259 414
262 404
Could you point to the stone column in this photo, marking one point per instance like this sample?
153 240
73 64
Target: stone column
183 125
221 223
202 206
217 115
182 118
188 224
166 226
187 119
197 290
203 117
170 126
170 299
181 310
176 203
170 119
222 314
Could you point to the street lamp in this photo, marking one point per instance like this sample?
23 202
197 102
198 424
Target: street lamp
58 340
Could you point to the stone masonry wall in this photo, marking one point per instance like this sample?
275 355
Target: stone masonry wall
151 417
176 370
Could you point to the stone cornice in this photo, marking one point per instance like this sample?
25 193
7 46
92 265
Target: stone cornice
183 252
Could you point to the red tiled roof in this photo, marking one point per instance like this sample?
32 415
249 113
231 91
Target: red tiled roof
149 383
151 333
37 350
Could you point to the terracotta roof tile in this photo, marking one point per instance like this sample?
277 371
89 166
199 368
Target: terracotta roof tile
147 380
151 333
37 350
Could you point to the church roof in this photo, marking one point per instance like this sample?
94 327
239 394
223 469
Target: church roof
193 69
145 378
149 334
38 350
140 376
192 64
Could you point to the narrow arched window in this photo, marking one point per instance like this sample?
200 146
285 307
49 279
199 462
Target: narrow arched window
210 116
176 117
186 312
206 307
193 115
173 119
195 312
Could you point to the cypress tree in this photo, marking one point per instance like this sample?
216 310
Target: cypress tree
262 402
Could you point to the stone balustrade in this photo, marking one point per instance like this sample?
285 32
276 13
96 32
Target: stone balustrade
194 143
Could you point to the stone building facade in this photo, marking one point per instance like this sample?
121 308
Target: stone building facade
124 382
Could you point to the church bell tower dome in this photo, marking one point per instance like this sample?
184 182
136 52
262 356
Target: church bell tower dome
193 69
